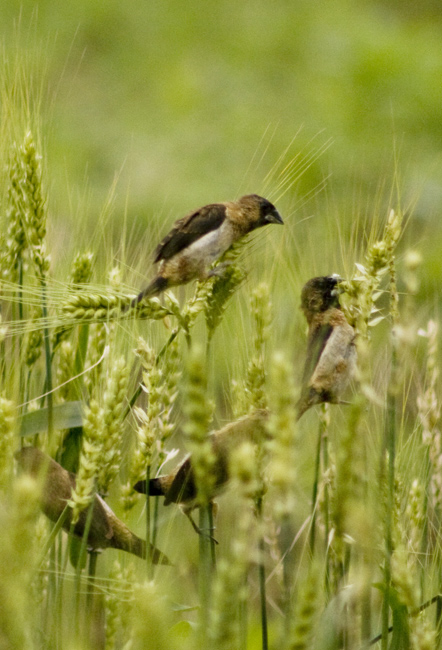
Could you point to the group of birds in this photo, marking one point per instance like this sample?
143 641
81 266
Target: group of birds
186 253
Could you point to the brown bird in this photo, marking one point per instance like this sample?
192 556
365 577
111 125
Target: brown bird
200 238
331 351
106 529
179 486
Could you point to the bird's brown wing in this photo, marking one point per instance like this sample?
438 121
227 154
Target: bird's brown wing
182 488
316 344
189 229
101 530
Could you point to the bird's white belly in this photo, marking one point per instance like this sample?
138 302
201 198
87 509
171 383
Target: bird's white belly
195 260
209 247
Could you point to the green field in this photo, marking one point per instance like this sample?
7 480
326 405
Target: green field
117 119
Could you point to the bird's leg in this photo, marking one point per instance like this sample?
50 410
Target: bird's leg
218 270
196 528
213 511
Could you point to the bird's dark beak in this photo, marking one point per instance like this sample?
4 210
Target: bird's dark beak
274 217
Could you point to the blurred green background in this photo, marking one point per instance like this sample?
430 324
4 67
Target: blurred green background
188 103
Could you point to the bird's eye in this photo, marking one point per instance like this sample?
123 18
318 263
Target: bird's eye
266 206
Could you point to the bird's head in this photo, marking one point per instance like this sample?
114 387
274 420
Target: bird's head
259 211
320 294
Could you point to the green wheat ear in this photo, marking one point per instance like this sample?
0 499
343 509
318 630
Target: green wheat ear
150 618
7 439
219 291
96 306
145 434
229 595
33 340
117 602
19 561
14 243
160 375
65 370
282 428
99 335
196 427
261 309
429 411
219 294
90 460
362 291
305 613
35 204
81 273
114 403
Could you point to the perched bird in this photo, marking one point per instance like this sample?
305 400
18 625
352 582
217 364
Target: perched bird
331 351
106 529
200 238
179 486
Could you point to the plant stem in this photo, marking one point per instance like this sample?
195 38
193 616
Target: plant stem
93 557
262 581
54 532
47 342
366 614
52 593
212 530
326 512
20 317
205 571
315 490
80 560
149 562
438 620
287 570
243 623
155 521
20 287
390 448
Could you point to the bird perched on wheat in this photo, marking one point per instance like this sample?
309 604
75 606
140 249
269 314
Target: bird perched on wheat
180 485
56 485
201 237
331 351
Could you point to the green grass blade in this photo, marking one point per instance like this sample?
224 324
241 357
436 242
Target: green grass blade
65 416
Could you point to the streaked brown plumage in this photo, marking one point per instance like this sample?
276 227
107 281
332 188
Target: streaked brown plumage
331 351
201 237
179 486
106 531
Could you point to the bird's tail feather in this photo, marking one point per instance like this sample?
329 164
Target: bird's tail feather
300 410
157 285
138 546
155 488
